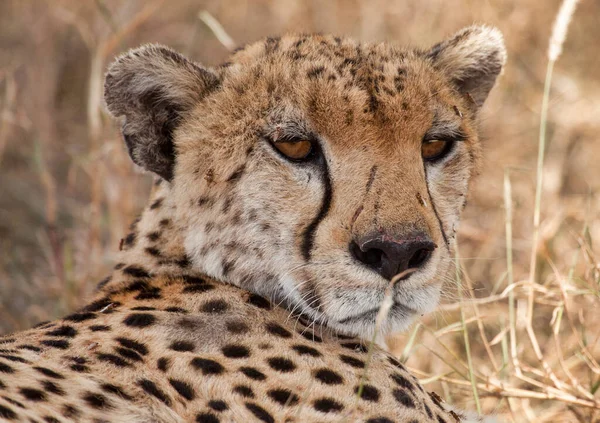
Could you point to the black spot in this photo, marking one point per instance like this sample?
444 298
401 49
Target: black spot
184 389
7 413
182 346
30 348
207 367
113 359
351 361
197 289
328 377
129 240
283 396
97 401
402 382
49 373
116 390
227 267
14 358
428 411
53 388
237 174
130 354
143 308
164 222
436 399
206 418
99 328
252 373
153 236
66 331
139 320
80 317
5 368
441 420
306 350
70 411
278 330
315 72
79 368
396 363
281 364
136 271
163 363
56 343
236 326
32 394
244 391
151 388
311 336
380 420
214 306
258 301
235 351
327 405
176 310
369 393
259 412
218 405
156 204
78 360
134 345
98 305
103 282
50 419
14 402
355 346
137 285
152 293
205 201
192 280
119 266
403 398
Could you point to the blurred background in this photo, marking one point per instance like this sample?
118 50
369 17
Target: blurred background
68 189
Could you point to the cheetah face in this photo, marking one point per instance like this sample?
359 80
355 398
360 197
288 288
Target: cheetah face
314 169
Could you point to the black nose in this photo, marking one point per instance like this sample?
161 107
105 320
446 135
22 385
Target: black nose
389 257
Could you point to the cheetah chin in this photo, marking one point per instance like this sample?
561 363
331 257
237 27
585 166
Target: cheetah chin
293 183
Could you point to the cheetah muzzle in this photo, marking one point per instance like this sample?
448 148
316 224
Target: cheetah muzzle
294 182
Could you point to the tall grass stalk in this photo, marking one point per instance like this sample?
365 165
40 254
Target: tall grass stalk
509 270
466 333
559 33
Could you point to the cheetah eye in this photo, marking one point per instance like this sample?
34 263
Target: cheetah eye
433 150
295 150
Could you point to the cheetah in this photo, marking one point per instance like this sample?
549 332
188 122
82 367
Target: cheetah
292 184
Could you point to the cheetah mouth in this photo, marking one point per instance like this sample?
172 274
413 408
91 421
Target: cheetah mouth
397 311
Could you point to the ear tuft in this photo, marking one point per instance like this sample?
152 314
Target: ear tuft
472 58
152 86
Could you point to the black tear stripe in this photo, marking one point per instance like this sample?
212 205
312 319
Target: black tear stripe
310 231
435 210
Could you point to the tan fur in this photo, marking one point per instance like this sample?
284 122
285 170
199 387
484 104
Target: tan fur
183 319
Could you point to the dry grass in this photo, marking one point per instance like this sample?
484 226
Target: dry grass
68 189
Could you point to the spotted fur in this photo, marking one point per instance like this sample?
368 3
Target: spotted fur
235 297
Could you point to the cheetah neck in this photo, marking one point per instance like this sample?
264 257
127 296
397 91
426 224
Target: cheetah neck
153 247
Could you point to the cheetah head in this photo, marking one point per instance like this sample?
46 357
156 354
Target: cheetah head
312 169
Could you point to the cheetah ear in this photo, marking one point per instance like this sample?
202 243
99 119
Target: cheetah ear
153 86
472 58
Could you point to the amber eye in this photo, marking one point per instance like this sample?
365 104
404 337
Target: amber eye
435 149
294 150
